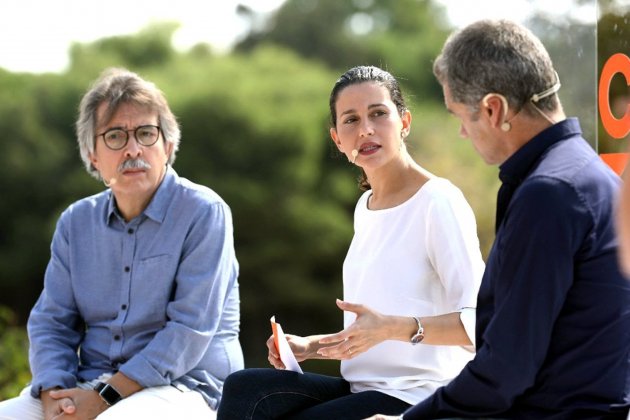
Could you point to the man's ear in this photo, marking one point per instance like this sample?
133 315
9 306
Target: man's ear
93 160
496 108
168 148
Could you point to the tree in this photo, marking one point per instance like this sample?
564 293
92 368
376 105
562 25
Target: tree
402 36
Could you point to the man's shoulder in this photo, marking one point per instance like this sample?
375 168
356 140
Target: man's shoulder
571 159
89 203
569 182
194 193
574 165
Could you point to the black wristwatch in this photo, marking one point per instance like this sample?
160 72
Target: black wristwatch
418 336
108 393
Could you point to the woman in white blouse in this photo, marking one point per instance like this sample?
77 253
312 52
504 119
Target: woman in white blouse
411 276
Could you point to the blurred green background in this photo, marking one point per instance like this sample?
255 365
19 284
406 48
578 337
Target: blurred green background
255 129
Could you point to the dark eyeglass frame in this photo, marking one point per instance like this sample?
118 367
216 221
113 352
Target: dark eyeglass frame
135 135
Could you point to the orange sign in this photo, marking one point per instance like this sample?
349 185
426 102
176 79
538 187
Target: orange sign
617 128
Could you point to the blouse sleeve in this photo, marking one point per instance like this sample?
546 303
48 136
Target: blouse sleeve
453 250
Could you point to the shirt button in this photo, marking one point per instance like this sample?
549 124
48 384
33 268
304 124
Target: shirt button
123 307
127 269
130 231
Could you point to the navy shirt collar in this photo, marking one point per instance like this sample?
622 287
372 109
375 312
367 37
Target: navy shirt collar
517 166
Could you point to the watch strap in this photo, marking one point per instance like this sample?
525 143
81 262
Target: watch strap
419 335
108 393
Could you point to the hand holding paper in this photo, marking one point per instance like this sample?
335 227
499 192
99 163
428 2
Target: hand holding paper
282 345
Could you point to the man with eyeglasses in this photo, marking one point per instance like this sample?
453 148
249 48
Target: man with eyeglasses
139 316
553 310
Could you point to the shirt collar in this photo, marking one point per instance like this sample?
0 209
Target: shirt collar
517 166
156 209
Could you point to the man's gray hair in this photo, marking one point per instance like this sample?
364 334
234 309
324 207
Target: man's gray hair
117 86
496 56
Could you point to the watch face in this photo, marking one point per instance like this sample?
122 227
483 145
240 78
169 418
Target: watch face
108 393
417 338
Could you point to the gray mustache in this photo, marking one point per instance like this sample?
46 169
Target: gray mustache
134 164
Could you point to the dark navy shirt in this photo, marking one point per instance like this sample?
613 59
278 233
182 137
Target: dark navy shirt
553 312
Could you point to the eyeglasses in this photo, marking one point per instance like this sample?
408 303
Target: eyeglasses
117 138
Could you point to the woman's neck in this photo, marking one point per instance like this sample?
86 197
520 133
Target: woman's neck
395 183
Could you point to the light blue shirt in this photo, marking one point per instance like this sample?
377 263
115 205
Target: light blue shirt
155 298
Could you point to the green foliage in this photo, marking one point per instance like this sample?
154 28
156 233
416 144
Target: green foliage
569 43
402 36
38 158
150 48
14 370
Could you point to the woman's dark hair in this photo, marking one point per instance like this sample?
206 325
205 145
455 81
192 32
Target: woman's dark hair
363 74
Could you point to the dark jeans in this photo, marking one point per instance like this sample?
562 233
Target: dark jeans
279 394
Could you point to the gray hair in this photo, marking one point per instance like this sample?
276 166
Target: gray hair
496 56
115 87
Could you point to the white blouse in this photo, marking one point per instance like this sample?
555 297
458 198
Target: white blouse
420 258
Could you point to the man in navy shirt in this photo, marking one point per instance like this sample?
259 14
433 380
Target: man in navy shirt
553 312
139 316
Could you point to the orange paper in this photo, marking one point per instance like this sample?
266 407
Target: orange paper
274 329
282 345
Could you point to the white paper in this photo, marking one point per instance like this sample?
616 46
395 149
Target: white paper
286 355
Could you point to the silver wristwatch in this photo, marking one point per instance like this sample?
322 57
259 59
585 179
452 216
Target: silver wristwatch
419 335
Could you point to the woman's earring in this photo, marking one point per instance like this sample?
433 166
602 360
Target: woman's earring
403 135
